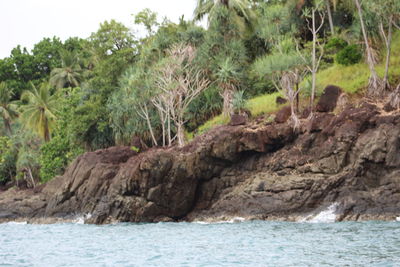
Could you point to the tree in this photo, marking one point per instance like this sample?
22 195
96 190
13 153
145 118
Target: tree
148 18
181 82
315 61
110 38
227 77
387 12
8 109
286 70
240 12
70 73
223 55
38 114
375 83
135 83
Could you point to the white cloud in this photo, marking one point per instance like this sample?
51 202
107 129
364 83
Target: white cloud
26 22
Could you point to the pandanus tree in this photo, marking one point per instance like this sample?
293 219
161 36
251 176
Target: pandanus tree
70 73
223 53
286 69
375 83
8 110
38 114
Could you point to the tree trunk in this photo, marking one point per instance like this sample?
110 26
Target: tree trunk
388 53
180 133
149 125
374 82
169 128
329 11
31 176
295 120
394 98
46 130
228 102
7 126
297 98
314 64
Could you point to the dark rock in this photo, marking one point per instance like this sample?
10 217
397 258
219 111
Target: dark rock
238 119
283 114
329 99
280 100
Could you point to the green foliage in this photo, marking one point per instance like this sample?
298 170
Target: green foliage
38 114
239 101
8 157
349 55
148 18
136 149
55 156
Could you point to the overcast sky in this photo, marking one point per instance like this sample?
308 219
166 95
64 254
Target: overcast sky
26 22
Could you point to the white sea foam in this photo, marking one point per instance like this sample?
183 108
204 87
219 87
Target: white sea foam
16 223
325 216
398 219
82 219
233 220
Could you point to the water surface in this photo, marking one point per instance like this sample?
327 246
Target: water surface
255 243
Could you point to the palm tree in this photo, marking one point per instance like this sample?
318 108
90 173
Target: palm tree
39 112
7 108
70 73
242 14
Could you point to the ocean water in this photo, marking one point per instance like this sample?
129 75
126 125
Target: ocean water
250 243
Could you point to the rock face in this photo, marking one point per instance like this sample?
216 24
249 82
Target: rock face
262 171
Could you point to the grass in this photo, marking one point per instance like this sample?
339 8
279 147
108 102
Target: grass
352 79
257 106
263 104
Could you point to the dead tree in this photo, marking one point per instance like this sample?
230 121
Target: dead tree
180 83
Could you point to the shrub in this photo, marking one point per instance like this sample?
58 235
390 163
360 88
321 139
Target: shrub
349 55
55 156
8 157
335 44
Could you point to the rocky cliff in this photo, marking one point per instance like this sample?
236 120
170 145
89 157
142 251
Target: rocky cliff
262 170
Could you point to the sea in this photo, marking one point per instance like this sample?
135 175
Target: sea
310 242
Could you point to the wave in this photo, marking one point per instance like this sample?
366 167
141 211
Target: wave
325 216
82 219
233 220
398 219
16 223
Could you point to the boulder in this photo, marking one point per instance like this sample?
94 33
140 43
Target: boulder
329 99
238 119
283 114
280 100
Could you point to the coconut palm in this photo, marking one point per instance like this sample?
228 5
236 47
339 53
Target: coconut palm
8 110
70 73
39 112
242 14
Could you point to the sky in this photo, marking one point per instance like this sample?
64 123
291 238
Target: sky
26 22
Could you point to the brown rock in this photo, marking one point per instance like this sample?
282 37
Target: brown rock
280 100
238 119
329 98
283 115
263 172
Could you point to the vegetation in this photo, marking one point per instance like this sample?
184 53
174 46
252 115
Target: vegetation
64 98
